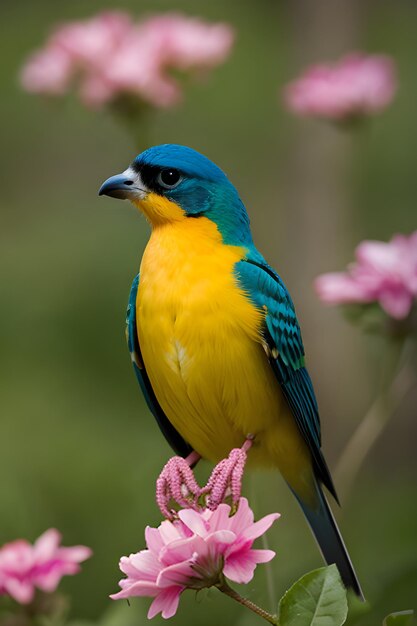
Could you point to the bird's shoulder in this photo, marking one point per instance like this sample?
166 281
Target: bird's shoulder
268 292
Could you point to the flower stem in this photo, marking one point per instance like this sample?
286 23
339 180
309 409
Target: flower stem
226 589
395 383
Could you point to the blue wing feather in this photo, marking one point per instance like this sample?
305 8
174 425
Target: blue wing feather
282 335
174 439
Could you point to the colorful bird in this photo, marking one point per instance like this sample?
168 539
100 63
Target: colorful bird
214 337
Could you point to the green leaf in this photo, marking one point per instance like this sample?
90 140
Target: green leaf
402 618
317 599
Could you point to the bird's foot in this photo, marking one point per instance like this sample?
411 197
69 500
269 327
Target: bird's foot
226 478
177 483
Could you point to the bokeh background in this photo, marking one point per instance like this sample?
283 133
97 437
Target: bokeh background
78 448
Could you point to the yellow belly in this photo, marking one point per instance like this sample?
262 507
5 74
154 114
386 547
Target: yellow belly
201 345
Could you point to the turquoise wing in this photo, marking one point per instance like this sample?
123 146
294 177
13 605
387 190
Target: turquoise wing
282 337
174 439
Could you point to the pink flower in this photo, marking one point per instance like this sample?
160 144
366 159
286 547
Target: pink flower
188 43
93 41
163 43
357 85
193 552
47 71
111 56
383 272
24 566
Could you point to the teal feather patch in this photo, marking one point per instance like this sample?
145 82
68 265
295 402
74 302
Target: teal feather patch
282 336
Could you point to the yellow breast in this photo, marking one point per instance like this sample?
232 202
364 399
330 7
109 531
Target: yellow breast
201 344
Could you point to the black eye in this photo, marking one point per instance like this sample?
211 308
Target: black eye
169 178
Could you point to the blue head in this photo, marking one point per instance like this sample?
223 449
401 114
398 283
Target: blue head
172 182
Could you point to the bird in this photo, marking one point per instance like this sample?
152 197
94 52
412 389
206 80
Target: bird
214 337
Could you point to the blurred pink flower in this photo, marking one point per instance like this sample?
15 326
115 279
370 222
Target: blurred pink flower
84 47
383 272
47 71
187 43
357 85
110 56
93 41
193 552
24 566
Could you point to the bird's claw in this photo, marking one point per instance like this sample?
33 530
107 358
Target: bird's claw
177 482
226 478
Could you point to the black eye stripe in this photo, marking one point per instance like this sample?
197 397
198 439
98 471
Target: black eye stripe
150 173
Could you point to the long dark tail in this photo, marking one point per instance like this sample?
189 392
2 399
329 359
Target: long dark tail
329 539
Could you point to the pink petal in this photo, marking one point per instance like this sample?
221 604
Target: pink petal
153 539
50 580
262 556
139 588
168 532
219 519
221 539
242 518
166 602
240 567
126 566
259 528
217 545
74 554
90 43
146 565
194 521
340 288
178 574
182 550
21 590
17 556
48 71
382 257
396 303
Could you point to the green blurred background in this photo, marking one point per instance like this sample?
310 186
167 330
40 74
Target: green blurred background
79 449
